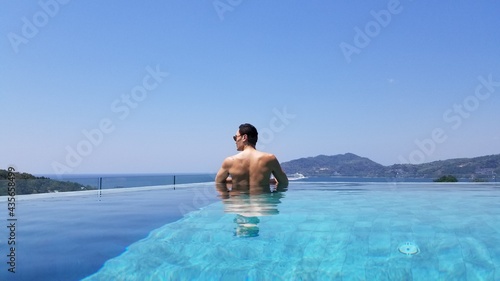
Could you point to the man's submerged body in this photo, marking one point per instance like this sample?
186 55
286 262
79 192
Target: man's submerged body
251 167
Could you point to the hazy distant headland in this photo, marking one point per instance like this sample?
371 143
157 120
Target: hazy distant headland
350 165
26 183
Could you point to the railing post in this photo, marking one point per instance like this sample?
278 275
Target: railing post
100 186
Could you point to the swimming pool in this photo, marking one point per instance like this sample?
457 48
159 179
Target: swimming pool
69 235
312 231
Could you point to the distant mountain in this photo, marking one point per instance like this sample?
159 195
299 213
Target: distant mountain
338 165
349 164
25 183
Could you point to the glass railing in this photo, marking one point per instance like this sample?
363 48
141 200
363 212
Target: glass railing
98 183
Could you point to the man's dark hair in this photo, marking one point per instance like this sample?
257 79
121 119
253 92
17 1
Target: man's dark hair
251 132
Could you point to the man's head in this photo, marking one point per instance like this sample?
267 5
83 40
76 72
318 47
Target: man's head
246 135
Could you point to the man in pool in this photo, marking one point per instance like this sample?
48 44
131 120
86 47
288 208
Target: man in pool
250 166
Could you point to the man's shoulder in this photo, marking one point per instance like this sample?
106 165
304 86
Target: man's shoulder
232 158
228 161
268 156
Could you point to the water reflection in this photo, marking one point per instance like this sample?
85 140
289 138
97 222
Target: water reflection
249 203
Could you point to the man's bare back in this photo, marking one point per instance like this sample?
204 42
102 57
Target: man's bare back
250 166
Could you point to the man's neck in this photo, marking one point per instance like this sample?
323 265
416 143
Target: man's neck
248 147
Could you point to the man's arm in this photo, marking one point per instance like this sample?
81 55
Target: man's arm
223 172
278 173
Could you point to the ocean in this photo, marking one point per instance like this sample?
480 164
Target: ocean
107 181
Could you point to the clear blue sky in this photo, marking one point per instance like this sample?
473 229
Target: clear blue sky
394 81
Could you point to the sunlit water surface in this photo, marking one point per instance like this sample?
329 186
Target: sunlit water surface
326 231
310 231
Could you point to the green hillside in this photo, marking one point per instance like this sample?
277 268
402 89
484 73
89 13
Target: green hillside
29 184
351 165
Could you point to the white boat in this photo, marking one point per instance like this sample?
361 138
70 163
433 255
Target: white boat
296 176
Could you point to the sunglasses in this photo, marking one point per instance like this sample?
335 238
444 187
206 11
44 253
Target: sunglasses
236 136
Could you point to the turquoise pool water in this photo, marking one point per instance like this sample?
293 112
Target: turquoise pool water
69 235
326 231
312 231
